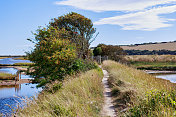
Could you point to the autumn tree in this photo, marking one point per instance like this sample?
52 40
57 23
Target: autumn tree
60 47
80 30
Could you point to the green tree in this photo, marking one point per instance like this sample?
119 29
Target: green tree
58 49
112 51
97 51
80 30
53 56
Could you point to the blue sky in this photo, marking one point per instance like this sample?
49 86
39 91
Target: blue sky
117 21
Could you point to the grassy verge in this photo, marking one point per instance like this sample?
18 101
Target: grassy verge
3 57
154 65
22 64
20 58
137 94
80 96
6 76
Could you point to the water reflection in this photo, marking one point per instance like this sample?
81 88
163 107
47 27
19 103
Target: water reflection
17 87
13 71
12 95
170 77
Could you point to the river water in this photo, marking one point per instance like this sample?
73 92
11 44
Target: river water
13 96
170 77
12 61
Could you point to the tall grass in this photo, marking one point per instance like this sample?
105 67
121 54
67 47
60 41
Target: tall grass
130 87
80 96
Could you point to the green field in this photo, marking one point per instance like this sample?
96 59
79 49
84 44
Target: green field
171 66
152 62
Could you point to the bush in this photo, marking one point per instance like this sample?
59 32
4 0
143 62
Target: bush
53 59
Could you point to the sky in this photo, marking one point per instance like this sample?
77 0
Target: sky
119 22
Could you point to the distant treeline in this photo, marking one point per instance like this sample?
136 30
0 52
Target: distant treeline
147 52
148 43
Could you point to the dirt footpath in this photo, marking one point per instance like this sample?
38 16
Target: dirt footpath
108 108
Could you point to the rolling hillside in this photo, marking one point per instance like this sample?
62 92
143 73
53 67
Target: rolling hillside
154 46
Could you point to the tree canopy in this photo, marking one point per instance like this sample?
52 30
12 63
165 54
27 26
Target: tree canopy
80 29
61 48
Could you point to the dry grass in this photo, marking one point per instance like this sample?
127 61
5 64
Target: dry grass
20 58
151 47
151 58
128 84
81 96
3 57
23 64
152 62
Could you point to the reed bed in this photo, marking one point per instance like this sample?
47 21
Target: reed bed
134 92
151 58
80 96
22 64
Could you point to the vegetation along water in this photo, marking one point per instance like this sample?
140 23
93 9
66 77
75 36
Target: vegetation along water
70 82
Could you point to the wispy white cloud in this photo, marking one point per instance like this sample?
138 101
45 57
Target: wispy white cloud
141 15
148 20
113 5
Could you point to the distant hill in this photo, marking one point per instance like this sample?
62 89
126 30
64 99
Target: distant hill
171 46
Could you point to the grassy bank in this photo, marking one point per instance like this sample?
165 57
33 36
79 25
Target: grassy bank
136 93
171 66
7 76
3 57
17 64
80 96
22 64
20 58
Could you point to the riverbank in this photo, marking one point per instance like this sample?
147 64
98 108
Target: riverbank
131 90
162 66
13 82
80 96
7 80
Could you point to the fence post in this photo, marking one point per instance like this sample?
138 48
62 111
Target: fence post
100 59
17 76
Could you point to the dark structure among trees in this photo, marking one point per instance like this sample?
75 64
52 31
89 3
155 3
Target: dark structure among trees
113 52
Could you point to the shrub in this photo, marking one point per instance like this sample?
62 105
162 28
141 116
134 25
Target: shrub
53 59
